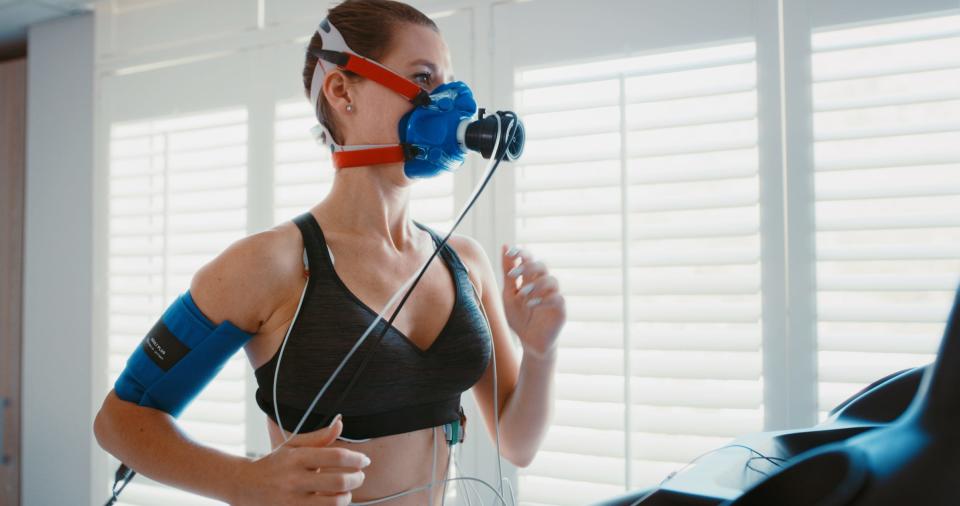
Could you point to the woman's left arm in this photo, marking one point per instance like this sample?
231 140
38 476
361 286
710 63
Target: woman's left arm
531 305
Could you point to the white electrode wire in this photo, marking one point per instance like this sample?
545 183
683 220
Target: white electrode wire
513 493
466 486
491 166
467 481
363 337
496 400
473 487
276 371
428 486
476 492
424 487
468 492
433 468
697 458
446 472
499 493
461 486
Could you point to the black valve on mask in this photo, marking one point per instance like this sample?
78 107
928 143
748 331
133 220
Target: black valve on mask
481 135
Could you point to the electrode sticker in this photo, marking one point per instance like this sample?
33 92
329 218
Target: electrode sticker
163 347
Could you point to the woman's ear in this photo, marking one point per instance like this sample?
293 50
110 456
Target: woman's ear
337 89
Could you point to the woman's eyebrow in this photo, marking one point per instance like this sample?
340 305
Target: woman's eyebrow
427 63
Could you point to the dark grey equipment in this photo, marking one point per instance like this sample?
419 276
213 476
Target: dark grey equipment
896 442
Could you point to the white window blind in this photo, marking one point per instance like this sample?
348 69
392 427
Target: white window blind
639 189
304 174
177 198
886 101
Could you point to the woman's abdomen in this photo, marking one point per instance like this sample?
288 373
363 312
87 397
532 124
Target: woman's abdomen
398 463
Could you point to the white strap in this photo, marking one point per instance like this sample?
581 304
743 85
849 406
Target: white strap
306 262
332 40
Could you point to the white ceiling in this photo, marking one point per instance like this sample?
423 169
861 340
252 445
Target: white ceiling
17 15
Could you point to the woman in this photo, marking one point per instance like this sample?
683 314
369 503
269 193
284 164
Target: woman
363 227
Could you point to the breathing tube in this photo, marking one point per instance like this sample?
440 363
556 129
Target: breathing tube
182 321
506 143
183 352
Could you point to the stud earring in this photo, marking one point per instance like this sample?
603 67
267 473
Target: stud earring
349 107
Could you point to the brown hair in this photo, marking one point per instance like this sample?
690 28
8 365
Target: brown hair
367 27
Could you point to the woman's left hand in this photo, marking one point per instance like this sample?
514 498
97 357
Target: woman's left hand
534 307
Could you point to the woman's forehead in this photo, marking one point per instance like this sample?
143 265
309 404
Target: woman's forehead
419 46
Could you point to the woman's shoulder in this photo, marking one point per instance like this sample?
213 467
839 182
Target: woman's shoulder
473 256
467 248
247 281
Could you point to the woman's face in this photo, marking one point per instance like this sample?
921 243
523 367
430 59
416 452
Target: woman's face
418 54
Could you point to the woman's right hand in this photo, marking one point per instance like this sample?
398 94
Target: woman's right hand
302 472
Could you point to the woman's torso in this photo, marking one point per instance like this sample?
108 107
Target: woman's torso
371 274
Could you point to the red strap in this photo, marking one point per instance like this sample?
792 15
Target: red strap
371 70
372 156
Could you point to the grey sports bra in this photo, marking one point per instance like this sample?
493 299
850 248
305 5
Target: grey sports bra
403 387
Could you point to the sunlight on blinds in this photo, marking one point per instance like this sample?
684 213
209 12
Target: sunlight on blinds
639 189
887 147
304 174
177 198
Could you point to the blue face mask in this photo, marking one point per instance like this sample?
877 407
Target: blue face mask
431 132
434 136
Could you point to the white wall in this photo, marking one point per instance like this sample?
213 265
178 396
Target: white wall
58 282
136 42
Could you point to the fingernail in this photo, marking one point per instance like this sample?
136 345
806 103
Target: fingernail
516 271
365 461
512 252
533 302
526 289
338 417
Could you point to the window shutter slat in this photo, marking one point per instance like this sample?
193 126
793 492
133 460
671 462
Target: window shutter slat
887 184
177 198
656 246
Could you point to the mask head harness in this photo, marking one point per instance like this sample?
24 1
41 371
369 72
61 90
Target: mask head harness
337 54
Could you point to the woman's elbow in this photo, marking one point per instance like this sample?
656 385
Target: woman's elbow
520 449
521 462
101 428
520 457
104 424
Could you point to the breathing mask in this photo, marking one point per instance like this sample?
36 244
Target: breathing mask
434 136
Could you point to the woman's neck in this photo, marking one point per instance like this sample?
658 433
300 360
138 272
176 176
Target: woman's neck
373 201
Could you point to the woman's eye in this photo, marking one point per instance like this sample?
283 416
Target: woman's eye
424 76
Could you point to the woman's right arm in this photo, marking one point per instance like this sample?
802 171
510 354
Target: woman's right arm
243 284
149 441
303 472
